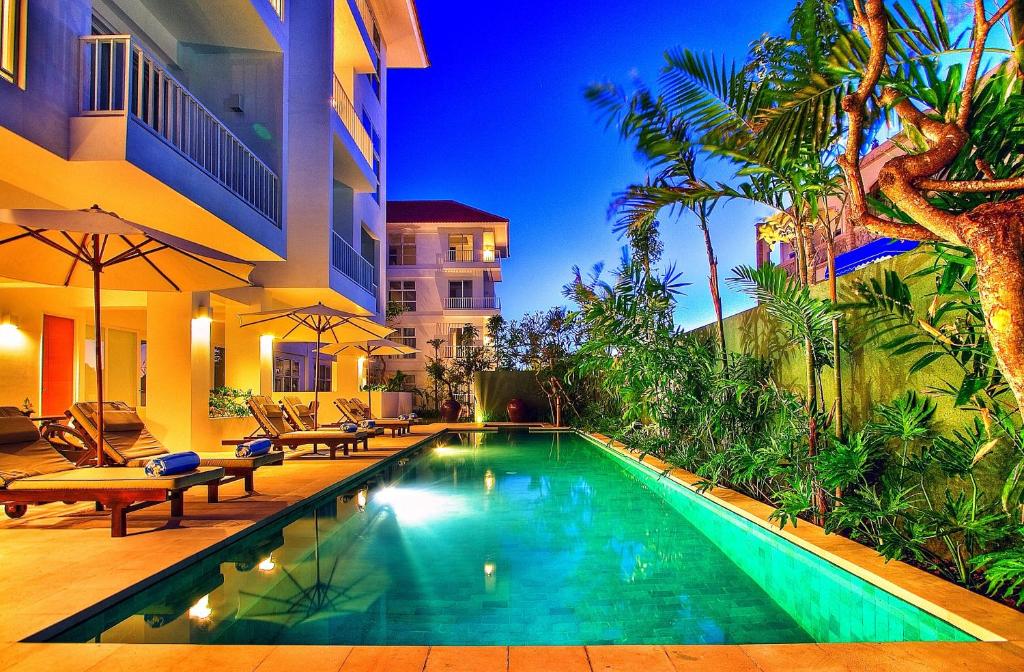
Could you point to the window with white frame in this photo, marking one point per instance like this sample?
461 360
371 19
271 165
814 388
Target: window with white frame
407 337
460 247
10 38
403 293
287 373
402 249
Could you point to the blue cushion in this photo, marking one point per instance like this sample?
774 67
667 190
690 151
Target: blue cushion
175 463
253 448
349 427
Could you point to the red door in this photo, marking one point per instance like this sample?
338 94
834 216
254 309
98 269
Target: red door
58 364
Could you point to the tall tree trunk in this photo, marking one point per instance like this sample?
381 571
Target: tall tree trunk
716 295
811 400
837 356
995 233
1017 34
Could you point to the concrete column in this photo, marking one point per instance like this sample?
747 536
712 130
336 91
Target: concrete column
178 376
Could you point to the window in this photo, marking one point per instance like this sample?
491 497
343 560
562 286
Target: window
406 336
460 247
403 293
402 249
460 289
287 373
10 38
324 381
219 361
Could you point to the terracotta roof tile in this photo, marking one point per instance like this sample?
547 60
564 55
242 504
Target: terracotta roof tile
416 212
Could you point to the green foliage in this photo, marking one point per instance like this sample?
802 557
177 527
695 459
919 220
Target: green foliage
228 402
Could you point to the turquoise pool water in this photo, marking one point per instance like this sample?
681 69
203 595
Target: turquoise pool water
512 539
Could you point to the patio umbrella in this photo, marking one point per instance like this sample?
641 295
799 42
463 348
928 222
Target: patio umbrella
379 346
90 248
318 323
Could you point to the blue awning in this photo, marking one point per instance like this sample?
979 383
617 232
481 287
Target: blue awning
876 250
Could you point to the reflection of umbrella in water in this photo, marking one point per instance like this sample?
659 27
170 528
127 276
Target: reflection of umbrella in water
338 589
90 248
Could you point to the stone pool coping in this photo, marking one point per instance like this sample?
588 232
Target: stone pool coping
975 614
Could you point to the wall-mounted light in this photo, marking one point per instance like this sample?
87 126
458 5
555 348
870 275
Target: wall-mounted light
10 333
267 565
361 499
201 610
203 314
489 480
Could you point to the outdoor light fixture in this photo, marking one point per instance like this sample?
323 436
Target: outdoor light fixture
201 611
203 314
489 568
361 499
268 565
489 480
10 334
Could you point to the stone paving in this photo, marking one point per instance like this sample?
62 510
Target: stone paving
59 560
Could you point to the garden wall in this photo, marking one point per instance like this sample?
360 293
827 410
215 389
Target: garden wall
870 374
494 389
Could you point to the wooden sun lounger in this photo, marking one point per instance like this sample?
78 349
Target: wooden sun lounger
128 443
275 427
356 413
32 472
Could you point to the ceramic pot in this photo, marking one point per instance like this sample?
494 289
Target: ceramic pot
450 410
516 410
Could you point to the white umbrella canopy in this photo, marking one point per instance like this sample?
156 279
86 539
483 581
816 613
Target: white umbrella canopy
379 346
95 248
316 324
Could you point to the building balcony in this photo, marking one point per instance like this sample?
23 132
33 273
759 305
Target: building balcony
460 260
472 303
453 351
158 144
345 259
353 149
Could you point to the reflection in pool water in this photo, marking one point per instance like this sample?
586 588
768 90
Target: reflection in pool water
512 538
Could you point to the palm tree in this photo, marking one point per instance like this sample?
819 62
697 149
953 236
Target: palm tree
665 144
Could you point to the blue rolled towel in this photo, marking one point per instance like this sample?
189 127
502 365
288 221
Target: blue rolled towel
175 463
253 448
367 424
413 416
349 427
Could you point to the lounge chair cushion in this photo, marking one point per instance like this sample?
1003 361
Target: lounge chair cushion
273 411
321 435
120 421
226 459
26 458
127 439
121 478
17 429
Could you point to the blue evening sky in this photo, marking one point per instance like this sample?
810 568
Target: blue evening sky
499 122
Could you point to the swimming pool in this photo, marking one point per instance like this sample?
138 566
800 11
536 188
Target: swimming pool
512 538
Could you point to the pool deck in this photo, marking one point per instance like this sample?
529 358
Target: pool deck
60 560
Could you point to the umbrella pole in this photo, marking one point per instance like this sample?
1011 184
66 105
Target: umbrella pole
316 385
99 348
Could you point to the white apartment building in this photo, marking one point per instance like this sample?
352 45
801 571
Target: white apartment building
255 127
443 265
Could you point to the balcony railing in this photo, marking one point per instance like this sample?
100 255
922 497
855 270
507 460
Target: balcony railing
369 20
347 112
345 258
455 256
472 303
120 78
452 351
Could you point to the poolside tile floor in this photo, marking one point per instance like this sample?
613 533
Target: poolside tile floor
60 560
